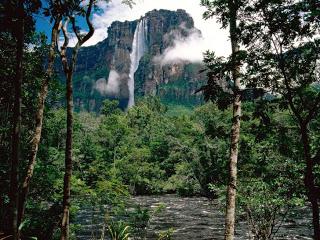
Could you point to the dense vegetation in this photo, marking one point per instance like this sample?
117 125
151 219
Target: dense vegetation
147 150
55 162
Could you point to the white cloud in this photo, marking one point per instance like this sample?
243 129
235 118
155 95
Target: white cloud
214 38
99 35
110 88
101 86
189 48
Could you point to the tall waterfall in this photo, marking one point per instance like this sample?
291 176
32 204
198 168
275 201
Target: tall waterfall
138 49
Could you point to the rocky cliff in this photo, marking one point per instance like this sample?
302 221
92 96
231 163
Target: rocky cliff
106 70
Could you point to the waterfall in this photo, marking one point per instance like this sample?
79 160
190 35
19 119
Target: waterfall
138 49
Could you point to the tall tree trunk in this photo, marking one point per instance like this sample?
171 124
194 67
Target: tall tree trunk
235 129
68 160
14 178
309 181
68 70
39 120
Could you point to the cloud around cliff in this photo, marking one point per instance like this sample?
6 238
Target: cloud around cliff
190 48
213 37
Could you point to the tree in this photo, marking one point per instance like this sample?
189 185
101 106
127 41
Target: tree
39 119
17 16
269 186
15 147
16 31
283 57
32 73
227 11
68 68
72 9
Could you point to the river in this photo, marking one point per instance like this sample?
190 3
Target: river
198 218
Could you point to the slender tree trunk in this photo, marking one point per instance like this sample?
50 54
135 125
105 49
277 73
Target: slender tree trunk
68 70
39 120
235 129
309 181
15 148
68 161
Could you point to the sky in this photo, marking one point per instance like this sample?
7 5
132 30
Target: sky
213 37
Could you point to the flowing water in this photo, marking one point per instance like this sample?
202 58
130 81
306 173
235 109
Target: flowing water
198 218
138 49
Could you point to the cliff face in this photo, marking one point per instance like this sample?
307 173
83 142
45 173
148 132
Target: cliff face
103 70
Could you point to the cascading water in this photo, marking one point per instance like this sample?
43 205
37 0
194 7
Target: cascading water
138 49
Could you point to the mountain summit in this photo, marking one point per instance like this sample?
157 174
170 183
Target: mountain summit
139 58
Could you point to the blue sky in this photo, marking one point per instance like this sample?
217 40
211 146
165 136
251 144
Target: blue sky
43 24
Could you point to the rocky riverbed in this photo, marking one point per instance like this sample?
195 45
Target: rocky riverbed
198 218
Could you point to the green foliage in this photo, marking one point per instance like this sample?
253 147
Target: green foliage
166 235
139 218
110 107
147 151
33 74
183 181
281 56
111 192
178 110
118 230
270 183
265 206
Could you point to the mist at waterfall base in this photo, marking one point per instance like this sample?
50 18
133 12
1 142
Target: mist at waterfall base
111 89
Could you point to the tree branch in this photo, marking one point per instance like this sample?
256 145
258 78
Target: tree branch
74 27
286 81
57 37
63 52
81 41
89 23
279 53
64 29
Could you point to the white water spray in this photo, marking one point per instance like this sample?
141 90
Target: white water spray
138 49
